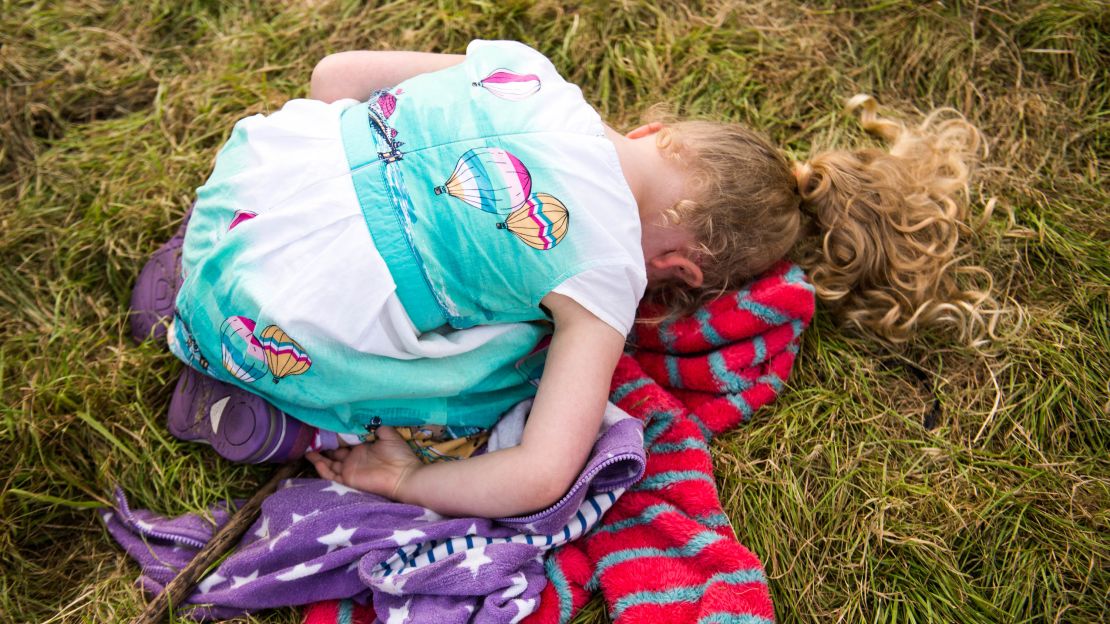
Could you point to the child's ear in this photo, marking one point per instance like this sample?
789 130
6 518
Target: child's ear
677 264
645 130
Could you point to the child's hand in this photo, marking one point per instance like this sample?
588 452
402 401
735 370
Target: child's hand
379 467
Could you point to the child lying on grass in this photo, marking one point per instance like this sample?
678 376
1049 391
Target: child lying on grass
381 262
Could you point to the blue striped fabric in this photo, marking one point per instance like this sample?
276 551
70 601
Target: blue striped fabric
670 477
686 594
562 588
623 391
692 547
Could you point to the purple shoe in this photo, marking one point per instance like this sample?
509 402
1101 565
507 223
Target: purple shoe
239 425
152 300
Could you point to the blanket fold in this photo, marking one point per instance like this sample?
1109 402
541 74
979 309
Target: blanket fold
318 540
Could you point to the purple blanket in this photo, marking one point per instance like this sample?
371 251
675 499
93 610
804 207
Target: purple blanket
319 540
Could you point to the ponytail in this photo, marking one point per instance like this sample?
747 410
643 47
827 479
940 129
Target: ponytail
890 258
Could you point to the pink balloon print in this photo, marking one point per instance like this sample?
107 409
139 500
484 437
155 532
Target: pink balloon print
241 216
243 355
509 85
387 103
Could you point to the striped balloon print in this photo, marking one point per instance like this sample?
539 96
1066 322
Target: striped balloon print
242 352
540 223
284 356
490 179
509 85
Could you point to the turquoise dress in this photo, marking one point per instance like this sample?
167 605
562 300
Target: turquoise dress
480 188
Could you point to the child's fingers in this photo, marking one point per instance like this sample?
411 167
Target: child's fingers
340 453
323 466
385 432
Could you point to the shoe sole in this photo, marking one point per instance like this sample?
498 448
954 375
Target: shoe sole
155 292
240 426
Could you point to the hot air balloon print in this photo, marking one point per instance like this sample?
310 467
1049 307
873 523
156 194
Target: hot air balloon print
284 356
241 216
489 179
380 109
541 223
387 103
242 352
509 85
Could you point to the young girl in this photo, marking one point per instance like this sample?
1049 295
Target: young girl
394 252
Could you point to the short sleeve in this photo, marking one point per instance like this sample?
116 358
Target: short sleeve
513 72
611 292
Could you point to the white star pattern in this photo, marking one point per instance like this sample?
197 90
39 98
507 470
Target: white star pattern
428 516
207 584
239 581
263 531
339 538
399 616
475 558
107 517
392 585
525 608
353 566
350 439
277 538
298 517
473 530
300 571
339 489
520 583
405 537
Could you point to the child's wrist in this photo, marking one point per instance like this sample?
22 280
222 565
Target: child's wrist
399 486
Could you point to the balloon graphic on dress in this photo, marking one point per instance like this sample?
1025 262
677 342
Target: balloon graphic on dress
284 356
541 222
510 86
387 103
490 179
241 216
381 106
242 353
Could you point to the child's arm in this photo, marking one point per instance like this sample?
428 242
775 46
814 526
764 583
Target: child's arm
560 431
357 74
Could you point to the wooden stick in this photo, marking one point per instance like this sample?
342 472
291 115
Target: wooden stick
178 589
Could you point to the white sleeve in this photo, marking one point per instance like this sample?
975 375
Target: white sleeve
612 292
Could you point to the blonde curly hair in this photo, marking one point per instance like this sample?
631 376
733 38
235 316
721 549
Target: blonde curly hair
884 247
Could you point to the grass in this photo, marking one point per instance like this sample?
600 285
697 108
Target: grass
111 112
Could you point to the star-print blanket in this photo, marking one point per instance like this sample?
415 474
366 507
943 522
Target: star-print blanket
319 540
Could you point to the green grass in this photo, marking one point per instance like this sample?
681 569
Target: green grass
110 115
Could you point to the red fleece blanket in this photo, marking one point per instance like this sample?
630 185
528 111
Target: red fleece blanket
666 551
